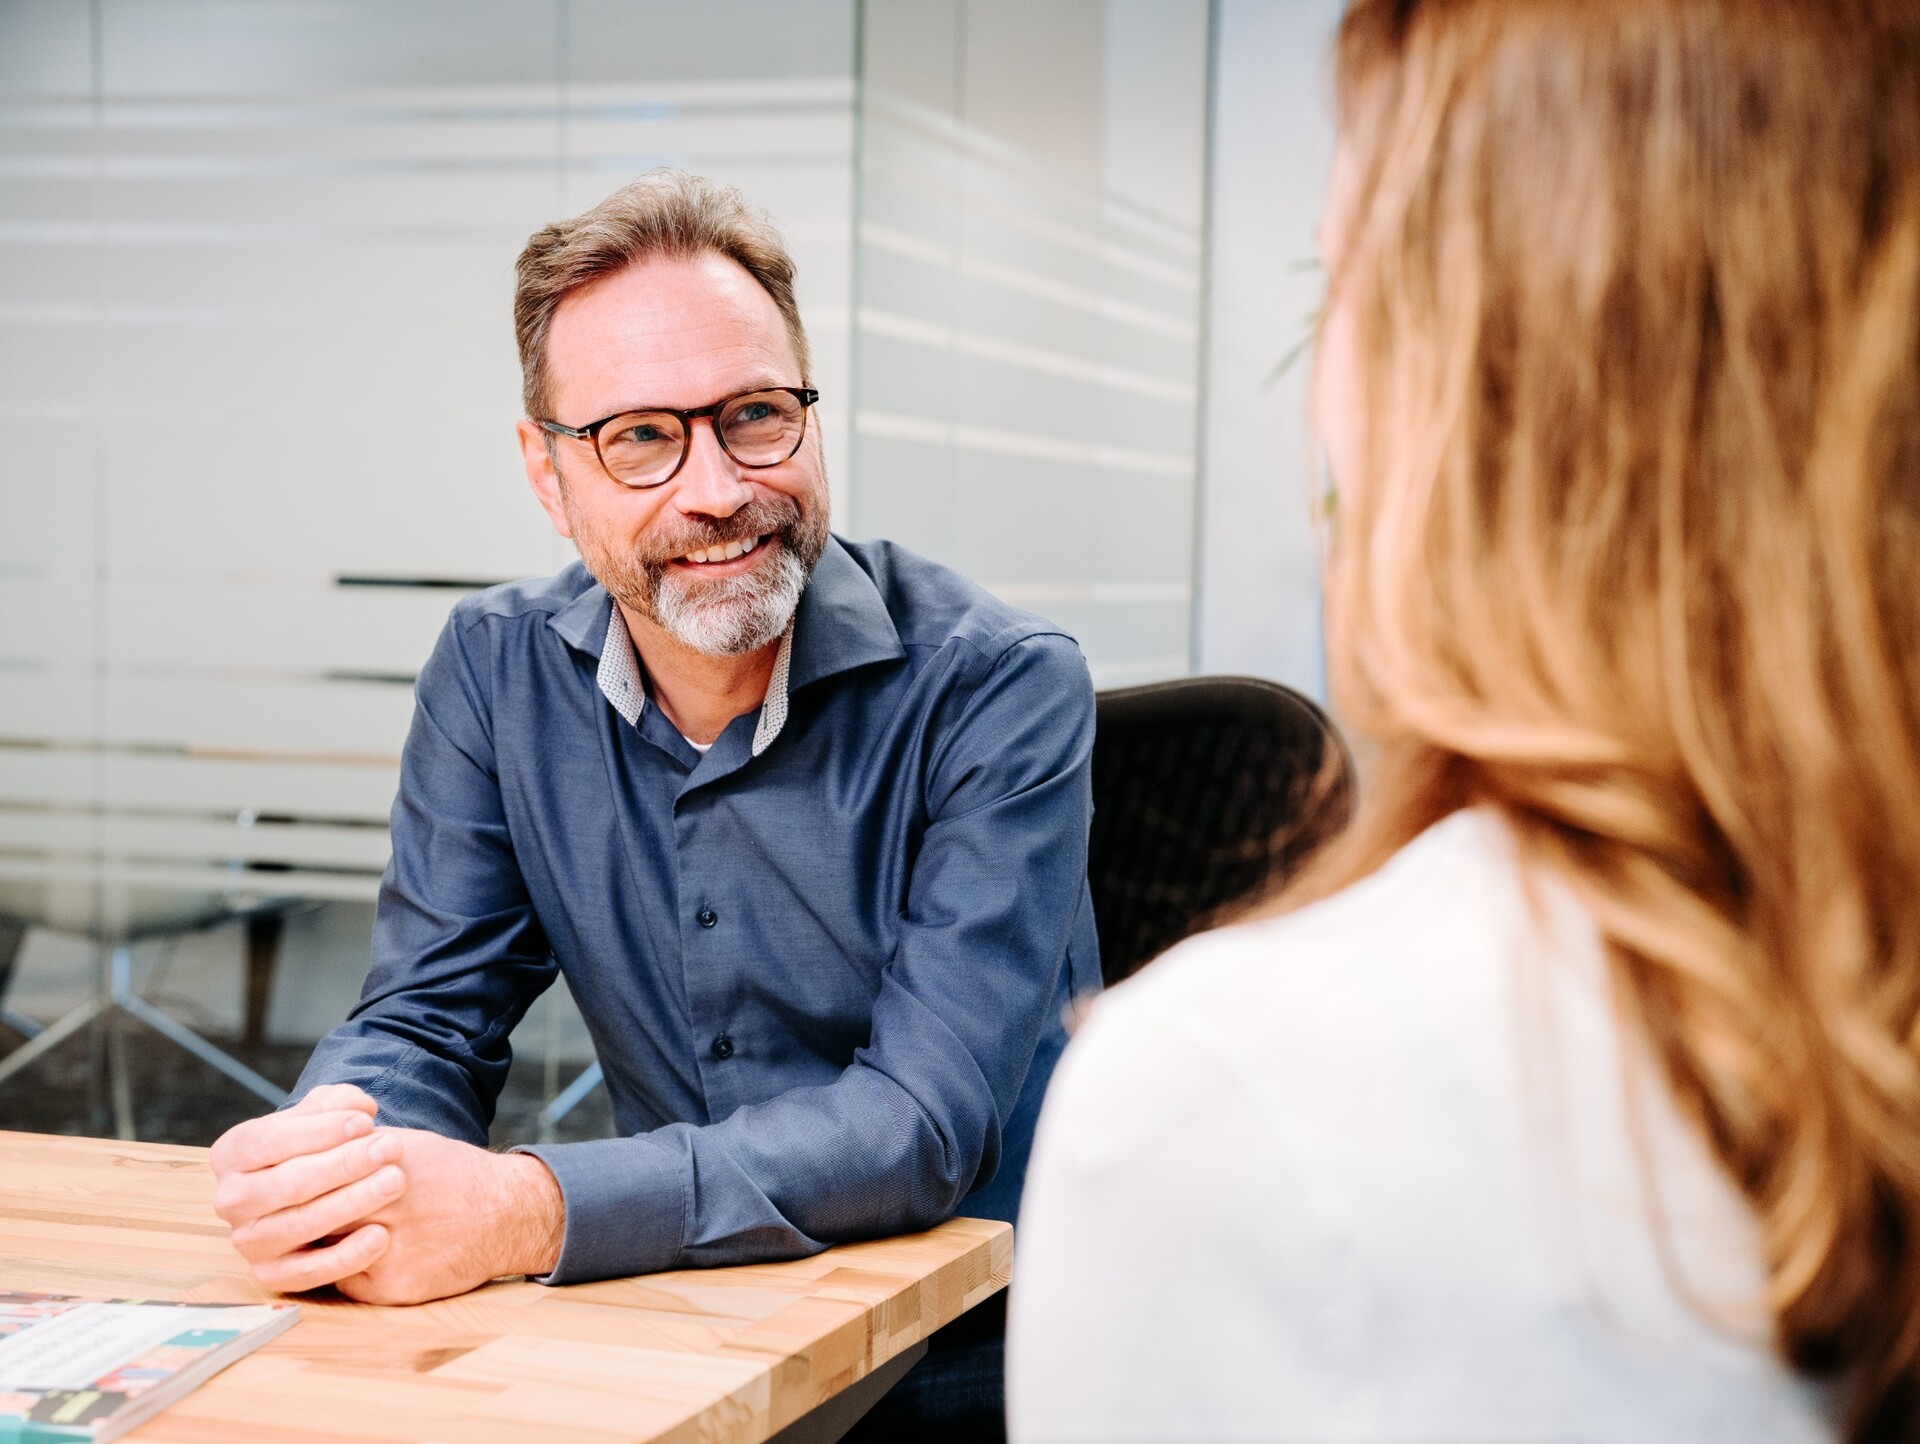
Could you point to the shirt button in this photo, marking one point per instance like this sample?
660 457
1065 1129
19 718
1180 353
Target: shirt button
723 1047
707 917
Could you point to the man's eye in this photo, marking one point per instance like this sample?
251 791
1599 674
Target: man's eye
641 434
754 411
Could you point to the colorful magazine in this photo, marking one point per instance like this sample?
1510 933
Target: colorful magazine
91 1369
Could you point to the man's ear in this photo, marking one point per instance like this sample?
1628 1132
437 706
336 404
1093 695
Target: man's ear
542 476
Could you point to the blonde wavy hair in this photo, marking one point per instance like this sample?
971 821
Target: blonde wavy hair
1634 558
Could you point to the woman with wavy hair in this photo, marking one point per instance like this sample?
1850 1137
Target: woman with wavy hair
1576 1093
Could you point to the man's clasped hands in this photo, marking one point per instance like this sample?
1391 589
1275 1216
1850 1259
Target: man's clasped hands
320 1194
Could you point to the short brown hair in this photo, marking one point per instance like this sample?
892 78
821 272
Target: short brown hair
663 213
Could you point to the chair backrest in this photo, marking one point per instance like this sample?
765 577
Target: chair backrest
1206 791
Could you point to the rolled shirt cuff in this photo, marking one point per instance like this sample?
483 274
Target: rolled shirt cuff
626 1203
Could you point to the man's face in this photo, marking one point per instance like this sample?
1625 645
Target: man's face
680 334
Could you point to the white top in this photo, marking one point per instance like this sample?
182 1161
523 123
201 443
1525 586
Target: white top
1368 1172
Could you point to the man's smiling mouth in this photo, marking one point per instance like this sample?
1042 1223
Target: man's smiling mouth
723 551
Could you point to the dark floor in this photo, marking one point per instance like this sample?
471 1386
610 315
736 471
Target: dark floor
178 1099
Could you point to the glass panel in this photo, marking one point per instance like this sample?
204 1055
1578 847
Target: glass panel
259 380
258 385
1027 308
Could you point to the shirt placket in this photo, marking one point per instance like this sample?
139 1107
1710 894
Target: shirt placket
711 934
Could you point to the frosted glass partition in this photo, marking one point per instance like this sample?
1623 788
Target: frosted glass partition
1027 306
258 380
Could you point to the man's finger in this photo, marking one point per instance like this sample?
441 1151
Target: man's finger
242 1197
264 1142
329 1096
294 1228
380 1288
310 1268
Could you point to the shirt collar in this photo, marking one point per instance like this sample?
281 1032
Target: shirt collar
621 683
582 622
841 623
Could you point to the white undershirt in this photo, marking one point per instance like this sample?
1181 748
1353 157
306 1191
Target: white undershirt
1366 1173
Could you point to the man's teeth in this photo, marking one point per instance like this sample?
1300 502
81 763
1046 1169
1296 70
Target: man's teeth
725 552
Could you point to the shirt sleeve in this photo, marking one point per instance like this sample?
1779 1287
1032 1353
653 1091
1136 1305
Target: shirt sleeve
457 952
915 1122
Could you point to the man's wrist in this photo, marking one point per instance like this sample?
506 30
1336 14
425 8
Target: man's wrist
537 1212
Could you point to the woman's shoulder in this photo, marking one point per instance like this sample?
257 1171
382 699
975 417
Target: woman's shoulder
1385 1002
1425 936
1378 1150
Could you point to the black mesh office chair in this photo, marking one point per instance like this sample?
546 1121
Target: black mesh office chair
1205 792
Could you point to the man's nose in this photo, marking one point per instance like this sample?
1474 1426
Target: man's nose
710 483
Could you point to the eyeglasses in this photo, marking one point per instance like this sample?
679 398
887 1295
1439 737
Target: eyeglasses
648 448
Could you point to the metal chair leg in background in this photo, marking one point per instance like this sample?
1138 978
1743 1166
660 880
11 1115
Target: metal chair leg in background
13 937
19 1022
113 1003
568 1099
560 1102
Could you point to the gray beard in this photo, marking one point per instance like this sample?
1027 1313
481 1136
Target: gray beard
735 615
725 616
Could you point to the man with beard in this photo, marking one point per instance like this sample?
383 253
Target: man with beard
803 822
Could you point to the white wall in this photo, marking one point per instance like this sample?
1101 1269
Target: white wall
1258 597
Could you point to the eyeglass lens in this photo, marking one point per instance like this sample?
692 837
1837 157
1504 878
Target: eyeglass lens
762 428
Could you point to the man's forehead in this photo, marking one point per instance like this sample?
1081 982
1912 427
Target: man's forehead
666 330
665 294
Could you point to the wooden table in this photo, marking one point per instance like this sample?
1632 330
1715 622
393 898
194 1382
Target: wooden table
795 1350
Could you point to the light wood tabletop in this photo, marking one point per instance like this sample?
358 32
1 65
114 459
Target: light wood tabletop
710 1355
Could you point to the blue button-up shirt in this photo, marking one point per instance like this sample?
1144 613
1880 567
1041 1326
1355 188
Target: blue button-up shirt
827 979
